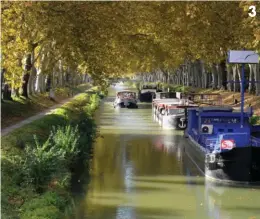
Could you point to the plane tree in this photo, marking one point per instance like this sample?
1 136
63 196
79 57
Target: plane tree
46 44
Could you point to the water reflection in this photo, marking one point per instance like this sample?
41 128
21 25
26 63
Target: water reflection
171 144
126 211
232 201
140 171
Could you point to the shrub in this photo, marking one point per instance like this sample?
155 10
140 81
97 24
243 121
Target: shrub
87 130
66 142
46 206
254 120
44 160
11 167
94 101
41 162
48 212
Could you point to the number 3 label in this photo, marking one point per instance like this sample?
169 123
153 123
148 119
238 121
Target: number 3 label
252 9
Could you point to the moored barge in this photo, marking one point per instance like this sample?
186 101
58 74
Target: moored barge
224 147
222 141
147 93
171 113
175 115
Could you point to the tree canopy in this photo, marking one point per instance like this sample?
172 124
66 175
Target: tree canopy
107 39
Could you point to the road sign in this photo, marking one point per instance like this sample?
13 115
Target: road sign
242 57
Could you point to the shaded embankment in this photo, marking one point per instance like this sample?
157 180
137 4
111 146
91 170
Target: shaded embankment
21 108
38 159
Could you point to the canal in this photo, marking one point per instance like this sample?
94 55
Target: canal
140 171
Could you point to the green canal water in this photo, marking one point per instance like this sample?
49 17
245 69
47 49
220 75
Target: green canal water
141 171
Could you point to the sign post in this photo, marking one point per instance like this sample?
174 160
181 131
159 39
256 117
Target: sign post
242 95
242 57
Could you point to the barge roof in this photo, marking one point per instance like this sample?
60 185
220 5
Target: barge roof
221 109
129 91
214 108
166 100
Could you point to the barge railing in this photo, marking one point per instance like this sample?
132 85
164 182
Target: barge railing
206 98
255 142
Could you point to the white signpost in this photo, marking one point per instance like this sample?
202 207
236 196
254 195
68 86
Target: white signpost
242 57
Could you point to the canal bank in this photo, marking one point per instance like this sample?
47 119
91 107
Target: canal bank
40 159
139 170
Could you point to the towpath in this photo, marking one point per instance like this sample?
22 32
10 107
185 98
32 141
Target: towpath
11 128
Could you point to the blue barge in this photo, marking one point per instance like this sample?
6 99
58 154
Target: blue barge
222 146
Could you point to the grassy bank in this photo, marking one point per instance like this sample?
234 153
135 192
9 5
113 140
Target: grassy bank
38 159
22 108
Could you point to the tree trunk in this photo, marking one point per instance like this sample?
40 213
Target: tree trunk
214 76
204 75
44 83
84 79
235 78
54 79
195 74
40 82
192 80
7 92
222 75
15 92
229 77
198 72
48 82
32 81
256 71
26 76
51 85
33 72
2 78
239 73
251 79
38 79
25 84
150 77
2 83
220 71
60 73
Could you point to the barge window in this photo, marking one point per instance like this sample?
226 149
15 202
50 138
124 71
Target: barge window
175 111
230 130
220 130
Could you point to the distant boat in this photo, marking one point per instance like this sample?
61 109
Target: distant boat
125 99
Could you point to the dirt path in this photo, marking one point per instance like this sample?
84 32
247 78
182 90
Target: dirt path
11 128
